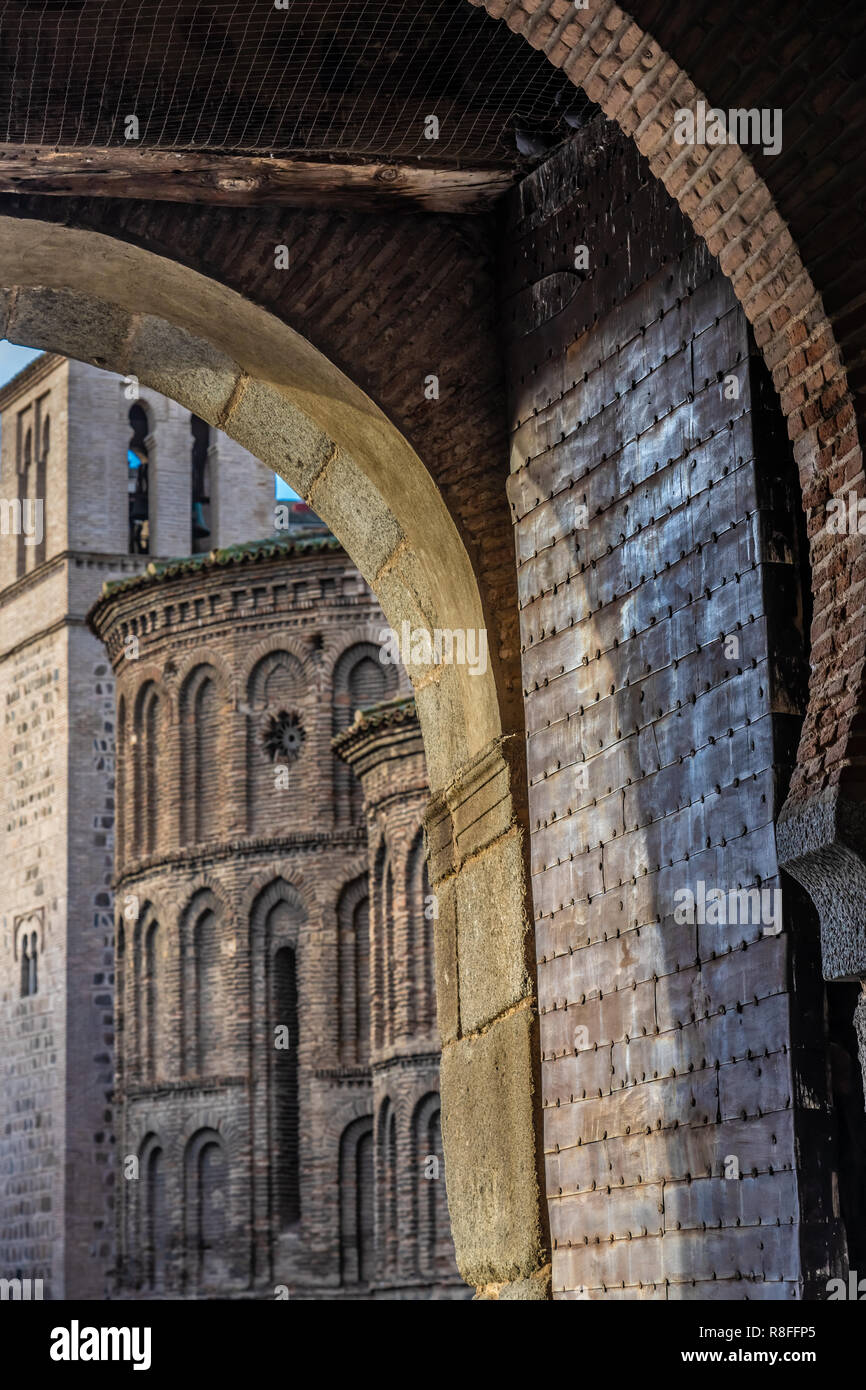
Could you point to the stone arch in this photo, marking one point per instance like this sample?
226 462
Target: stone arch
619 65
244 370
248 373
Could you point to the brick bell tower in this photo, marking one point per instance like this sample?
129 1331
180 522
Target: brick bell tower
97 477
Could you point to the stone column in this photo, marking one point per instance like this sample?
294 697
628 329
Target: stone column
485 983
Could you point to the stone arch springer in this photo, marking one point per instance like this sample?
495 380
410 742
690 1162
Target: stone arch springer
236 365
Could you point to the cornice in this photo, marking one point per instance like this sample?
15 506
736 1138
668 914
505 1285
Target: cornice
312 842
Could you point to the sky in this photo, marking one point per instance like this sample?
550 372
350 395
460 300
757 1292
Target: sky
14 359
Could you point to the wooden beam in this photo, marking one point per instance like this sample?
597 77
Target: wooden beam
245 180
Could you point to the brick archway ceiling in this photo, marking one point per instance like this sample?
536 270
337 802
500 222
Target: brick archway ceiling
809 61
342 79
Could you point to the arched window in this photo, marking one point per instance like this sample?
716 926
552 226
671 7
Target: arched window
26 496
120 1003
151 728
435 1250
388 1189
41 485
205 987
201 522
284 1012
137 466
153 1225
360 679
152 997
353 917
422 993
209 1014
28 959
276 921
276 734
201 800
121 791
25 967
378 944
146 754
357 1215
207 1225
389 963
142 995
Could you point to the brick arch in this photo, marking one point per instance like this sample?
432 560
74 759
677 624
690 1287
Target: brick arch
286 643
821 830
277 890
203 890
191 662
338 645
261 891
354 872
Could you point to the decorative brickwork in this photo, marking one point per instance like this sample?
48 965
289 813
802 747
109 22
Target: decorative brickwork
383 747
247 1088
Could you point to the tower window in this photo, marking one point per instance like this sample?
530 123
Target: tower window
137 461
29 965
201 533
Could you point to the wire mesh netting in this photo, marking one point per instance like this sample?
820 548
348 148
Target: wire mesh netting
321 78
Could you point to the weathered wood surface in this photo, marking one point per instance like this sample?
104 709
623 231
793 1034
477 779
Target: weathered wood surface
245 180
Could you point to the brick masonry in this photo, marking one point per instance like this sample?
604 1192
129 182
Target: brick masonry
57 751
242 872
663 613
368 292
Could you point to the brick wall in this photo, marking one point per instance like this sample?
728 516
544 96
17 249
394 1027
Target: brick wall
56 836
273 630
413 1241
